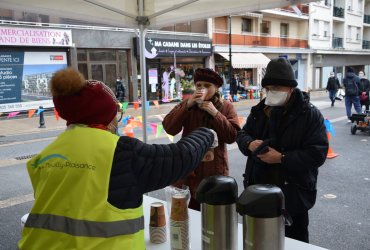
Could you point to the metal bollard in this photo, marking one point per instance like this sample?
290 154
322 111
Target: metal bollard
42 120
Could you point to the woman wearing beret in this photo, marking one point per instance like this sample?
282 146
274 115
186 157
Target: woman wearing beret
205 109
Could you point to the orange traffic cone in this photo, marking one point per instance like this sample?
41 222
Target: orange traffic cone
331 153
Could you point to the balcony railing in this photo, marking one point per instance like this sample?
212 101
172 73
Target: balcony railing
338 12
260 41
367 19
365 44
337 42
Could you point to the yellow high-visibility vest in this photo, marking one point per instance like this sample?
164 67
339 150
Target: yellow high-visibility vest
70 179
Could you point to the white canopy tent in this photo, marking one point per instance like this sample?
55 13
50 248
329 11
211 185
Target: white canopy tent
142 14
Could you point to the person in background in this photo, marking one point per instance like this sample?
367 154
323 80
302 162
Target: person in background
120 89
351 84
172 83
332 86
364 90
285 141
205 108
234 86
165 84
89 182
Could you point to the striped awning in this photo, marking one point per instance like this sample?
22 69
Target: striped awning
247 60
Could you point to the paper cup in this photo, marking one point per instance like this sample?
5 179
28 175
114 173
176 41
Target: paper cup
158 235
157 224
157 215
179 207
179 231
204 93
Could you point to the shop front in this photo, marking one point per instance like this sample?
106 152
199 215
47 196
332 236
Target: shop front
247 70
171 63
28 59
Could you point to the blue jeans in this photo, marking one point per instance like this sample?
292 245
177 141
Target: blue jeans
355 100
332 94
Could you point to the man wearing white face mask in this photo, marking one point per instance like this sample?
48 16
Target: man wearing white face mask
332 86
285 141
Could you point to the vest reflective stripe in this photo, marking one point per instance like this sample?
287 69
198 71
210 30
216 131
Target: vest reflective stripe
85 228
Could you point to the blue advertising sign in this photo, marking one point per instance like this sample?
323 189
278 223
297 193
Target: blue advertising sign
11 72
25 78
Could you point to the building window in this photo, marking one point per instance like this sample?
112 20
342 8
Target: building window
350 5
265 27
247 25
327 2
358 34
326 29
284 30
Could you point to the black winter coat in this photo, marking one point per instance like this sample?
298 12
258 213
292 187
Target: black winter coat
364 86
333 84
139 168
301 137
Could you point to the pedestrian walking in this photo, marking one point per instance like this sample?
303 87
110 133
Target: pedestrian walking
120 89
205 108
285 141
332 87
234 86
364 90
89 182
351 84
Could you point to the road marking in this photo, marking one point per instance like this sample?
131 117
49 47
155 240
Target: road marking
27 141
16 200
11 162
338 119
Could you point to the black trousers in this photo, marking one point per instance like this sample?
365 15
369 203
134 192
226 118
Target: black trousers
299 228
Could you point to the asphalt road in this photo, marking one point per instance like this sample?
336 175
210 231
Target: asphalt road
339 220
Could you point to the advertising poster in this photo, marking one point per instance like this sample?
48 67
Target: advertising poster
153 79
25 77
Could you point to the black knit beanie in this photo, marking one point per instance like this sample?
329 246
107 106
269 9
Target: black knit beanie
279 72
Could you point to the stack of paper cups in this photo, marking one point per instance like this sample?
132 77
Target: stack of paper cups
179 223
157 226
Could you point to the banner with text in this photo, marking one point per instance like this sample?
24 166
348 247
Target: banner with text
35 37
159 47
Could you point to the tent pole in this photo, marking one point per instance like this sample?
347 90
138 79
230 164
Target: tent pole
143 79
142 67
230 56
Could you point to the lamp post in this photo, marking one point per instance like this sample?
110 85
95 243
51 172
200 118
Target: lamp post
230 62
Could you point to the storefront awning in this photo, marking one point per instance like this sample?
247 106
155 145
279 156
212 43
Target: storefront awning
247 60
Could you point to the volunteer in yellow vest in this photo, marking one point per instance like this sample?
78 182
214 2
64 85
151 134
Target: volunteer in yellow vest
89 183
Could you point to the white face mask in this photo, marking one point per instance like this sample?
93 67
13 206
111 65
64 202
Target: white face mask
276 98
361 75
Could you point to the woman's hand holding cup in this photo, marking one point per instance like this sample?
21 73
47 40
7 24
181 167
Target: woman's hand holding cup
200 95
197 97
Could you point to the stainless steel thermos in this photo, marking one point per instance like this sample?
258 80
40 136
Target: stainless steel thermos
262 208
217 195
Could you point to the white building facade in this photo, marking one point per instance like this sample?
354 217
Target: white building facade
339 35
